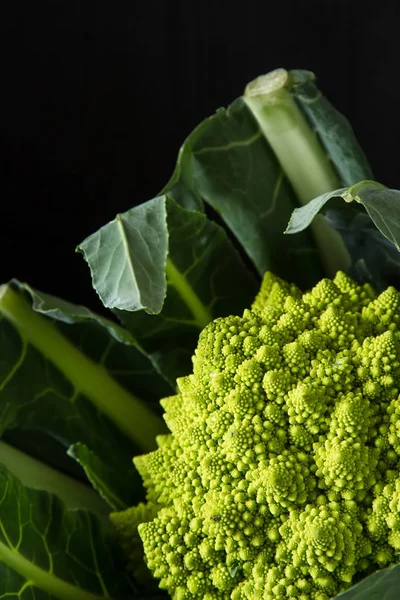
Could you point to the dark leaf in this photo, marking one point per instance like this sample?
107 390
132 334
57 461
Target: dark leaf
333 129
227 163
111 485
55 380
48 552
202 277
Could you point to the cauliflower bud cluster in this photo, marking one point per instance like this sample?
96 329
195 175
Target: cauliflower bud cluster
280 477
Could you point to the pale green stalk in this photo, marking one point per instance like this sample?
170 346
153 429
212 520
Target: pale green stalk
129 413
302 158
36 475
37 578
201 314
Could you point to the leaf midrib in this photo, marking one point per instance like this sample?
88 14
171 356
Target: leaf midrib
126 410
125 243
48 582
200 312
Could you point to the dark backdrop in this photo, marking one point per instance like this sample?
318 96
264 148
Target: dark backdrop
97 99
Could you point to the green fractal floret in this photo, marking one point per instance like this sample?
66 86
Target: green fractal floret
279 478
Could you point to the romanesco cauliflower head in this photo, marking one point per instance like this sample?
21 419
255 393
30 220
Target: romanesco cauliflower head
279 478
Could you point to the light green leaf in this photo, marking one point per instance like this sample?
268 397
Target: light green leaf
48 552
333 129
372 236
302 217
382 205
127 258
202 277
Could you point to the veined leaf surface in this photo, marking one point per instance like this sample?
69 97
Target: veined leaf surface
227 163
110 484
58 379
371 236
105 342
333 129
48 552
382 205
191 263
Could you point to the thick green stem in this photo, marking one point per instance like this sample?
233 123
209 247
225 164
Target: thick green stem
295 144
35 474
129 413
300 154
201 313
43 580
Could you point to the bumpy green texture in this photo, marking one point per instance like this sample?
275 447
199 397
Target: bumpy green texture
280 477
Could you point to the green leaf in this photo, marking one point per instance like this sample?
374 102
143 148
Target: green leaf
37 474
375 259
110 484
67 390
372 236
127 258
48 552
202 277
227 163
302 217
382 585
46 449
107 343
333 129
181 187
382 205
301 156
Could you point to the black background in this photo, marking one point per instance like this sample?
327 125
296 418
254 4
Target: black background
97 98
